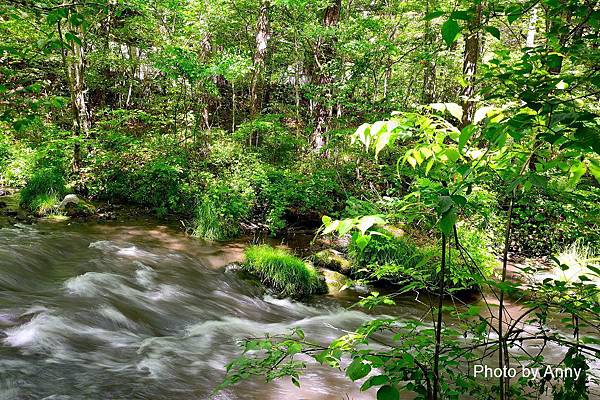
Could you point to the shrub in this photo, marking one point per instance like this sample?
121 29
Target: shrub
271 140
400 259
43 186
462 266
223 207
287 274
391 258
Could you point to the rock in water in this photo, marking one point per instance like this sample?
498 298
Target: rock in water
73 206
333 260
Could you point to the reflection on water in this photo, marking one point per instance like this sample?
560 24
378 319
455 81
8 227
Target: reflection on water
129 312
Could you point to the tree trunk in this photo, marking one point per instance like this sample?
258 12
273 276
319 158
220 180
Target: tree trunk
471 59
260 55
438 324
428 96
324 53
531 29
74 66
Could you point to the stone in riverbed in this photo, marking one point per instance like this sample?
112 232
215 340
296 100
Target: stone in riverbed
335 281
333 260
73 206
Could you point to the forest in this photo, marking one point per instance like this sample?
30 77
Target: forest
326 199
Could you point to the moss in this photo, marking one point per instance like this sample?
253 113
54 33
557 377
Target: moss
285 273
333 260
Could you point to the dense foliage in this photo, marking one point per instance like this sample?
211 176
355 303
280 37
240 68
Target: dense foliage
436 137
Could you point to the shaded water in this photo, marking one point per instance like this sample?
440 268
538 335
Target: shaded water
135 312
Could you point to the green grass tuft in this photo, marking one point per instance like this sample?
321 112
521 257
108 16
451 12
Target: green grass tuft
45 187
206 224
287 274
45 205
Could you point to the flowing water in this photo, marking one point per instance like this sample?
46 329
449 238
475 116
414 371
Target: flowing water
139 311
126 311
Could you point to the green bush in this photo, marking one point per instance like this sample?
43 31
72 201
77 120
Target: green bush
288 194
153 175
44 186
226 203
476 260
394 259
287 274
269 138
400 259
545 221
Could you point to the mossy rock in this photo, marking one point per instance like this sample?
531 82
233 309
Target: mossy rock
73 206
332 260
286 274
335 281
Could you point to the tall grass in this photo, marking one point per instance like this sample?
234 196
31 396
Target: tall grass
287 274
43 191
207 225
577 256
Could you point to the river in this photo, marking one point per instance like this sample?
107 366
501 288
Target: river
136 310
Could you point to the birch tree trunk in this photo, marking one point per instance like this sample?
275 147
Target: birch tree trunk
531 29
324 53
74 66
470 61
260 55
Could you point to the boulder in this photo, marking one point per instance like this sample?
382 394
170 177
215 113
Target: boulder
335 281
73 206
333 260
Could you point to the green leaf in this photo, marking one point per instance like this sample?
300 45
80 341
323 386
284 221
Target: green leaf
382 140
492 30
454 109
388 392
376 380
70 37
576 171
452 154
465 135
332 226
368 221
362 241
447 222
358 369
294 348
450 31
594 167
433 15
345 226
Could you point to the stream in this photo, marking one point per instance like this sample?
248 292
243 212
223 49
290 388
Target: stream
132 310
136 311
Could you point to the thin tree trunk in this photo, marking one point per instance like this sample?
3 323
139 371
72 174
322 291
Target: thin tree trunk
324 53
429 68
502 350
531 29
260 55
233 107
74 67
471 59
438 325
